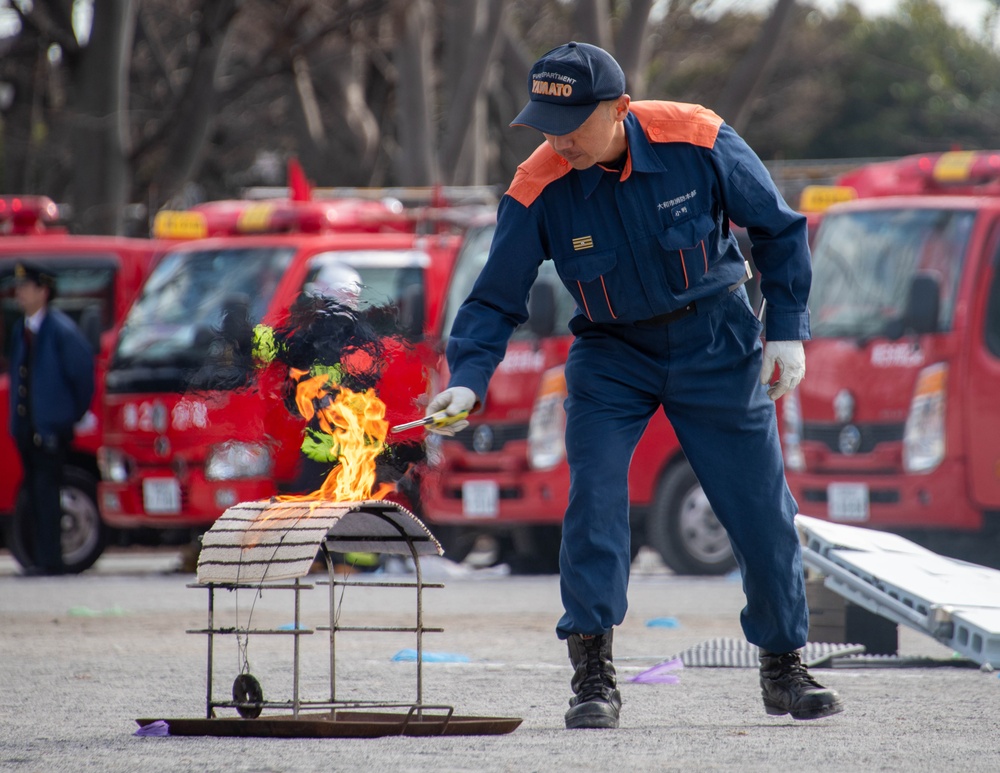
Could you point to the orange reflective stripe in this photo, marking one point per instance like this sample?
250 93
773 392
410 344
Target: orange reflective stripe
541 168
705 253
677 122
607 299
583 297
684 266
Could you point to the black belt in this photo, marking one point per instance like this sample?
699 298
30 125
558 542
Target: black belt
686 311
665 319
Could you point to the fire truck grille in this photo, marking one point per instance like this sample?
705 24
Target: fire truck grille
875 496
487 438
863 441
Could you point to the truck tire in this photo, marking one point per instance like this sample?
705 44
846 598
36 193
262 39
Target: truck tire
533 550
13 536
683 529
83 532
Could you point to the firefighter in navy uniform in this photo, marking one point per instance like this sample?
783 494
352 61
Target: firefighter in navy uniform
632 202
52 384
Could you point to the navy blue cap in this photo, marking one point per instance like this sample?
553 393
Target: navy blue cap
33 272
566 85
25 271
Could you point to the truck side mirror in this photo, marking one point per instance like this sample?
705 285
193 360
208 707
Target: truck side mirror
923 304
542 308
412 304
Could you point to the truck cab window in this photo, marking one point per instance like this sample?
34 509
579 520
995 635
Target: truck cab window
991 332
864 263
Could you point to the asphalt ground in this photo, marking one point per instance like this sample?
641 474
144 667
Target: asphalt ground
83 657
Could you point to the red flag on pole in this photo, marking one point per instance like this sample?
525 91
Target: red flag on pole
299 186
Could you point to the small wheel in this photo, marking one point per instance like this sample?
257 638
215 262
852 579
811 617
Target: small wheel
248 696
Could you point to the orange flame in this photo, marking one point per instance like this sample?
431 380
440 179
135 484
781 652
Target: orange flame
356 425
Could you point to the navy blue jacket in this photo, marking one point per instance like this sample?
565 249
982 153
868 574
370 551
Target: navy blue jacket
637 243
61 382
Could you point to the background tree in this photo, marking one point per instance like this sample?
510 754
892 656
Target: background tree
934 88
166 102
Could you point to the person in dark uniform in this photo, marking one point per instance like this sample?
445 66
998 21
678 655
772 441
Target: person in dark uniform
632 202
52 384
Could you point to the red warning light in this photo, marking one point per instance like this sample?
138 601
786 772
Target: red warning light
25 215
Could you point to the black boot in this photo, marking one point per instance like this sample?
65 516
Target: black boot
596 702
788 689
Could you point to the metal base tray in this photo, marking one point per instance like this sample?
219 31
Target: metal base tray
342 724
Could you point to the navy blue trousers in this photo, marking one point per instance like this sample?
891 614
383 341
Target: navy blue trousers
43 464
704 371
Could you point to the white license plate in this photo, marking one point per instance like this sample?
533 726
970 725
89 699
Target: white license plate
161 496
480 499
847 502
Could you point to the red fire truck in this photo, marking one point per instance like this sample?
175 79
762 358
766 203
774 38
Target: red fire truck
505 476
175 457
96 279
897 423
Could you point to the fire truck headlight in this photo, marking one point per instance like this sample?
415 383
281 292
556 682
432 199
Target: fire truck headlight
547 426
924 436
115 466
234 460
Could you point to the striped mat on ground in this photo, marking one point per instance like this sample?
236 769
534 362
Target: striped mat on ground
739 653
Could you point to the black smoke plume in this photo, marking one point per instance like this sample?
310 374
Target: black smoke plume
319 333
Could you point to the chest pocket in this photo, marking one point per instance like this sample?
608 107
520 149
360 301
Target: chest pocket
689 252
587 277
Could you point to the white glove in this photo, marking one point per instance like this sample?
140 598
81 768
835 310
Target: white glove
790 357
452 402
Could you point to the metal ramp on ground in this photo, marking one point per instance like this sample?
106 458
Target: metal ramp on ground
954 602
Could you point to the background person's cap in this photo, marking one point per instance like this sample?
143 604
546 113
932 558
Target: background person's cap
24 271
566 85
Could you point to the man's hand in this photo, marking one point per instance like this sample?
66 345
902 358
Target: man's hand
790 358
452 401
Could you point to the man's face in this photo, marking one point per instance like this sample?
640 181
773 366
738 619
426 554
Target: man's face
30 296
600 139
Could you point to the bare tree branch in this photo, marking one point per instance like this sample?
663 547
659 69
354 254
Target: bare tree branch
631 49
358 113
479 54
735 104
415 161
507 99
197 108
307 98
98 121
157 50
593 20
52 19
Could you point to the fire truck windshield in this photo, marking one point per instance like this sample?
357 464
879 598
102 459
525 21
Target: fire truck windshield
185 299
173 328
362 278
864 263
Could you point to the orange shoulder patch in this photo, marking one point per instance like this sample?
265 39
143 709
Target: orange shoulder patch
541 168
677 122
